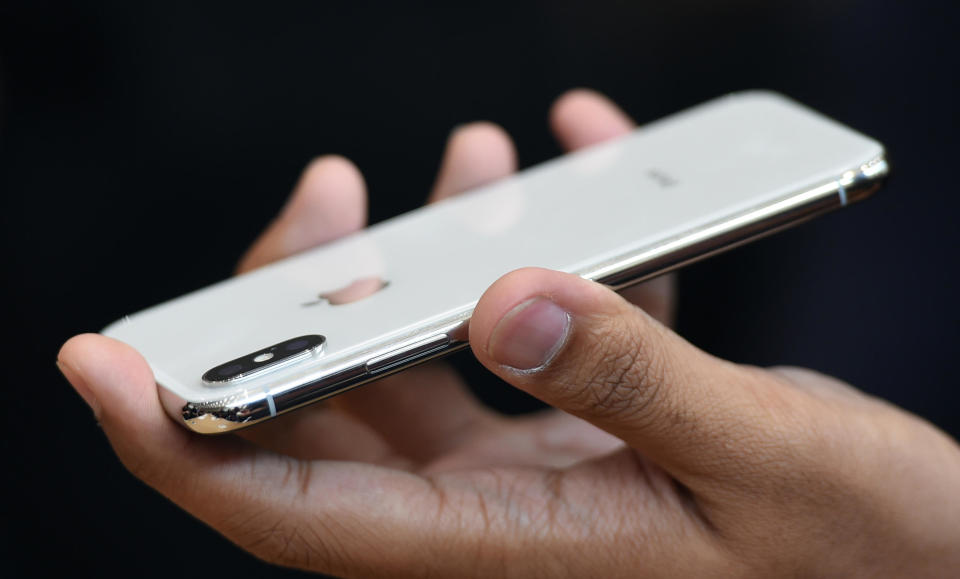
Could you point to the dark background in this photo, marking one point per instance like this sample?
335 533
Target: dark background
144 145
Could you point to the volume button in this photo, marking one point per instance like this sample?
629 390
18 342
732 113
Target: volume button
407 353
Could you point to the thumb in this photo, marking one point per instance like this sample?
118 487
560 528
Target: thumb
580 347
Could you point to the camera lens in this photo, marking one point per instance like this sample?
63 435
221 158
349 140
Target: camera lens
274 357
229 370
296 345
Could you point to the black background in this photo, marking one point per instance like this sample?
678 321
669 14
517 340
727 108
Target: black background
144 145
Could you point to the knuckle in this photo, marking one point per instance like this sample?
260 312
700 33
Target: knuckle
620 373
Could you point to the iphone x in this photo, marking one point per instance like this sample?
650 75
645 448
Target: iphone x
401 292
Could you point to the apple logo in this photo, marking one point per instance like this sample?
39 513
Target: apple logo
357 290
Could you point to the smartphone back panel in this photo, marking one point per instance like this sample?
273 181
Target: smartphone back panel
599 212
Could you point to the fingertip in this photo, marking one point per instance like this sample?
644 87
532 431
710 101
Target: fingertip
485 142
332 165
582 117
67 360
117 378
328 202
574 99
510 293
502 296
330 185
476 153
103 362
331 160
482 132
72 349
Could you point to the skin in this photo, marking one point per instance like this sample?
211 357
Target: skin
658 460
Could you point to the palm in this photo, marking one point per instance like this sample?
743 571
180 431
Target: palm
548 440
496 470
452 433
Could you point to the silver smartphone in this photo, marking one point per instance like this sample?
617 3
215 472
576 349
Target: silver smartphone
402 292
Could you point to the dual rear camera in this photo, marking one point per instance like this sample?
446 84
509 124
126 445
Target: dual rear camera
270 358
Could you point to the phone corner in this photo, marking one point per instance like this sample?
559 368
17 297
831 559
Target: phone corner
219 416
759 94
115 328
867 179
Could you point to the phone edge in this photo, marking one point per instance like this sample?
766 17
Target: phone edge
851 186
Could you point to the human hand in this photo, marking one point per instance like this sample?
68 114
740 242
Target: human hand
666 461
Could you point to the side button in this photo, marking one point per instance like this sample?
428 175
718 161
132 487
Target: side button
408 353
